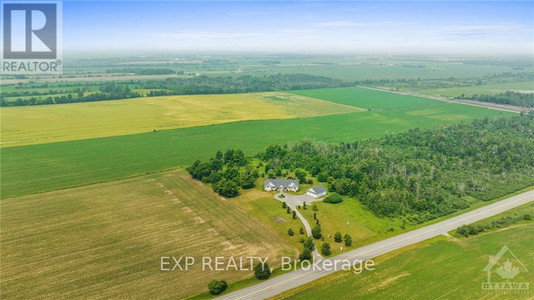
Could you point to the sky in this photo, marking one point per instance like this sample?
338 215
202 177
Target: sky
300 27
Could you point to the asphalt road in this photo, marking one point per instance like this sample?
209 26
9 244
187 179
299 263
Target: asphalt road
282 283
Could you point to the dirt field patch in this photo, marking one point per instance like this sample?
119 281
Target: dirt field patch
213 231
279 219
199 220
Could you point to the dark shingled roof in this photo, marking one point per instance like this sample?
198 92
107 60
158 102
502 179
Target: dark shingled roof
281 182
318 189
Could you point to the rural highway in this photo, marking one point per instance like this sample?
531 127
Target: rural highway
282 283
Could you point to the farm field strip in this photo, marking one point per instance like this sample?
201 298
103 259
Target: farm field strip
369 98
52 123
489 89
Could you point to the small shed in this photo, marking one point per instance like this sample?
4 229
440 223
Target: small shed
316 191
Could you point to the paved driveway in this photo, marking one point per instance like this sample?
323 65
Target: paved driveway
293 201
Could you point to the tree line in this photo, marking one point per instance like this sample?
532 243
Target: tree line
239 84
108 91
474 229
508 97
145 71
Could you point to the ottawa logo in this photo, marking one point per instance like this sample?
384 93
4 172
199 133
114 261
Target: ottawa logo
501 270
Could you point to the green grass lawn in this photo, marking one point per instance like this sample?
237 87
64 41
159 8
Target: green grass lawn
363 225
45 167
350 217
270 212
436 269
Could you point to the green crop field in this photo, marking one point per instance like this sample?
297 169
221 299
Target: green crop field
489 89
52 123
438 269
370 99
45 167
106 240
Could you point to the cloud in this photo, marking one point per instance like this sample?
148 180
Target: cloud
476 30
206 34
296 31
356 24
335 24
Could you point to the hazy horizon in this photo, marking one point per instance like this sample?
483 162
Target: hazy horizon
363 28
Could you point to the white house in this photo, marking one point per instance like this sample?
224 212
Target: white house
281 185
316 191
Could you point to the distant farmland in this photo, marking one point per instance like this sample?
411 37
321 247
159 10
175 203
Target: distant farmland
371 99
489 89
31 169
386 69
53 123
106 240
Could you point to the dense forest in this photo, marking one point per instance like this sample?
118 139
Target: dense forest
421 174
510 98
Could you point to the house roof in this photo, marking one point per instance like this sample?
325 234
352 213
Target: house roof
318 189
284 183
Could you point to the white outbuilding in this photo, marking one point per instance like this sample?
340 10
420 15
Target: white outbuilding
316 191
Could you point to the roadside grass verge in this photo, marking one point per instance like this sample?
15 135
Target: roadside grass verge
434 269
